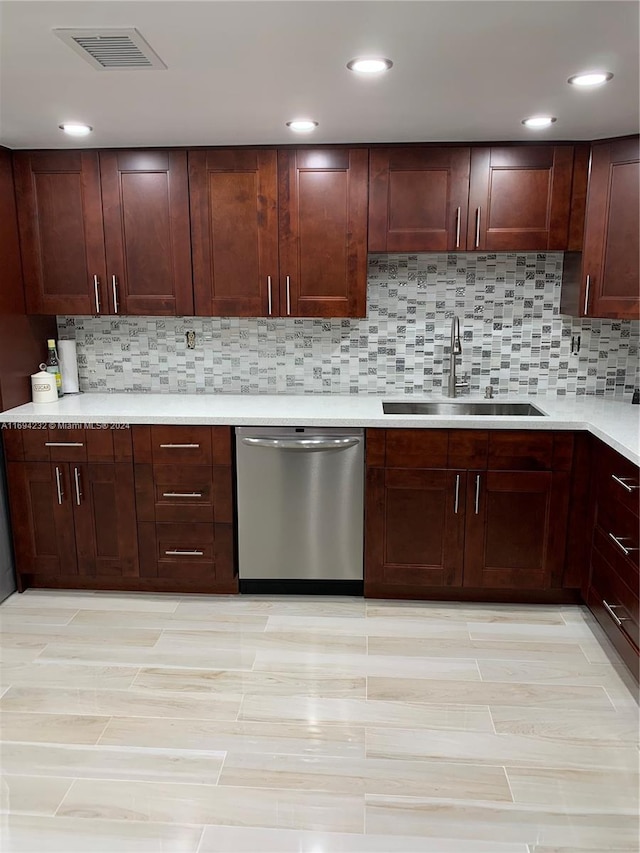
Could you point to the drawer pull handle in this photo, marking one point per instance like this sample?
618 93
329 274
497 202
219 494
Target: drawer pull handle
477 494
64 444
178 446
611 611
456 499
457 228
182 494
623 483
623 548
178 552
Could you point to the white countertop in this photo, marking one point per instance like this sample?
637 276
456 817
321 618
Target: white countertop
614 422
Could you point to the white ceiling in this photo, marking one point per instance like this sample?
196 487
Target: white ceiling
237 71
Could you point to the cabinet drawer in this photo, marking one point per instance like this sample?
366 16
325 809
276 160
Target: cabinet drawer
617 479
190 493
184 551
620 602
55 445
181 445
621 529
38 443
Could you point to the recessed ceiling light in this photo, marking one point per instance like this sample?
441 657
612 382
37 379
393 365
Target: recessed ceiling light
367 65
302 125
590 78
538 122
75 129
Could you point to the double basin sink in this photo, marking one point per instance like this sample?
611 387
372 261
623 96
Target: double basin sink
463 408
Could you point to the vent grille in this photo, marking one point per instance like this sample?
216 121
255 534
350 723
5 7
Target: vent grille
111 49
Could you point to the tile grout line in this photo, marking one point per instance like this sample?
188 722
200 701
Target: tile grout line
66 794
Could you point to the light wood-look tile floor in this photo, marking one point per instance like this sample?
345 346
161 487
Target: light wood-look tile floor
136 723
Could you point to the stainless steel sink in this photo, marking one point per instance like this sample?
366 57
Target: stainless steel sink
462 408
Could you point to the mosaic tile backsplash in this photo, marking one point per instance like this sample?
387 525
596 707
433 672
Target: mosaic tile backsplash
514 338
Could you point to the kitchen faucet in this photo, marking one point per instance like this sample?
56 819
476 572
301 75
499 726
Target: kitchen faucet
456 349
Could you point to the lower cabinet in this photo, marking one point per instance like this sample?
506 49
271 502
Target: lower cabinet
614 572
447 531
154 513
73 521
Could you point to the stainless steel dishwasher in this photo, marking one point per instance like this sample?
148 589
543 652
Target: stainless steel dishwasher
300 498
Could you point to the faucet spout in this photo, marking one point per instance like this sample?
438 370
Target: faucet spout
456 349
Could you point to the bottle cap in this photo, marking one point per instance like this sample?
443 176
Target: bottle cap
51 343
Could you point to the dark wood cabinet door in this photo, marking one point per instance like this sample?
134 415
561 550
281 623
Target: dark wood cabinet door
61 233
40 501
516 529
418 199
322 197
414 527
234 230
103 501
145 197
520 198
612 233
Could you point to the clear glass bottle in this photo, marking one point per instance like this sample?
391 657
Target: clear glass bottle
53 365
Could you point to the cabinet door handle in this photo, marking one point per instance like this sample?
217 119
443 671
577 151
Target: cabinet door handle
457 228
59 485
477 493
96 292
182 494
477 227
623 483
456 499
587 288
114 285
178 446
64 444
618 540
76 477
179 552
288 285
269 294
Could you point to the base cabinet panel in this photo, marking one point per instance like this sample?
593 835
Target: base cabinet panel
478 533
415 527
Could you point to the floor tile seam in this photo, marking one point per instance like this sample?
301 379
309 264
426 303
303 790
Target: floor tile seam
531 808
66 794
134 665
508 781
110 715
509 767
611 699
106 726
222 763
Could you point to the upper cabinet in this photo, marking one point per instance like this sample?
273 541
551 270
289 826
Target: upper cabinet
607 277
104 233
418 199
145 203
493 199
520 198
279 233
61 233
234 228
322 197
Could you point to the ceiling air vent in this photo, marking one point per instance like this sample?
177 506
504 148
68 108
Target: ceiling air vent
108 49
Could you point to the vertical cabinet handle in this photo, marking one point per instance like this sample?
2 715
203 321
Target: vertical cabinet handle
96 293
269 294
618 540
114 285
587 288
456 500
457 228
76 477
288 285
477 493
477 227
59 485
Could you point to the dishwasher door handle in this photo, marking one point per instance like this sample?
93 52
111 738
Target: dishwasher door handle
302 444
